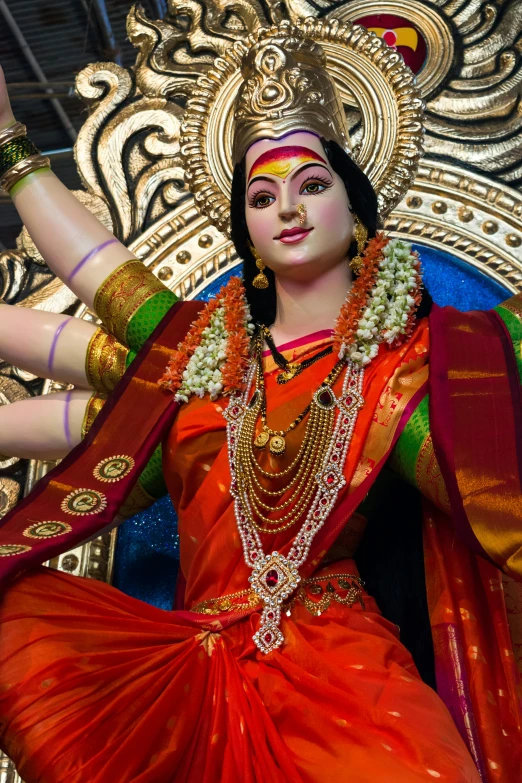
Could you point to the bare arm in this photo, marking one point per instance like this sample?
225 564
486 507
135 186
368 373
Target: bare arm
64 231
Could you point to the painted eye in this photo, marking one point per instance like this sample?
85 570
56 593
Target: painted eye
314 187
262 200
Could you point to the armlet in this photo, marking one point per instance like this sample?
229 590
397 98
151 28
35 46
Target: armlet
413 458
131 302
511 313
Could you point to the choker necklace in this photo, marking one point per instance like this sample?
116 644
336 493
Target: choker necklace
275 576
290 369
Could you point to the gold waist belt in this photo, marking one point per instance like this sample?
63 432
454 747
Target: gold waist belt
313 593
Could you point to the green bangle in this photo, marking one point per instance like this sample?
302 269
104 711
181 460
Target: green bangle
14 151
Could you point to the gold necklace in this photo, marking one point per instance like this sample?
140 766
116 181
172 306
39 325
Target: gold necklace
304 466
277 437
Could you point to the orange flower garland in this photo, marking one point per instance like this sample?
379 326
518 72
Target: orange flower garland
350 314
380 307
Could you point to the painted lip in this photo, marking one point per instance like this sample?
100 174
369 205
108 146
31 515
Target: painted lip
293 235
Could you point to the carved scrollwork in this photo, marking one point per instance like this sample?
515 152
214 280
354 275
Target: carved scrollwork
127 150
13 273
174 53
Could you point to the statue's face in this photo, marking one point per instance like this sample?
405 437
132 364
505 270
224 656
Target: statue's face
280 175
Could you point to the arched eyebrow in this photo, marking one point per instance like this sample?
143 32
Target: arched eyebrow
264 178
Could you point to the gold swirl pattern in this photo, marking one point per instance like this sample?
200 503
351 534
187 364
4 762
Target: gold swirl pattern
47 530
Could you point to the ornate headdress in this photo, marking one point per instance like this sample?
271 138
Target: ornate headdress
301 76
286 88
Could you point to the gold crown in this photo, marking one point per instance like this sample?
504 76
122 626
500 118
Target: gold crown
286 88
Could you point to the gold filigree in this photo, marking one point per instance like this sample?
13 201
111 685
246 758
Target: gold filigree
47 529
364 68
9 550
113 469
105 361
82 502
286 87
122 294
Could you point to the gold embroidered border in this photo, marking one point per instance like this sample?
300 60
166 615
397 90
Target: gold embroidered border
105 362
94 406
428 476
122 294
514 305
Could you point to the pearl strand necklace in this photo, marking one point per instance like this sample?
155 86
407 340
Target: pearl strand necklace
274 576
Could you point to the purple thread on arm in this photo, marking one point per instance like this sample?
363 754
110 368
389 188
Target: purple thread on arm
89 256
66 427
57 334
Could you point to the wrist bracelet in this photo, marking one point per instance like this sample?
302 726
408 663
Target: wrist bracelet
12 132
22 169
18 156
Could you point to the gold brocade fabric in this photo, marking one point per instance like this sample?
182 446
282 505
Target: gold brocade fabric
122 294
105 361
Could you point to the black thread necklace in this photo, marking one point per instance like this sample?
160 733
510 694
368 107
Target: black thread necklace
290 369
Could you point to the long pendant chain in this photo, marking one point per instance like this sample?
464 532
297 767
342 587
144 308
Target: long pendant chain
274 576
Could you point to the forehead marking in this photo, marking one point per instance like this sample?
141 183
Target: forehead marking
280 161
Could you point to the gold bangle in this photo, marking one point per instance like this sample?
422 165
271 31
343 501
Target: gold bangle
22 169
12 132
105 362
122 294
94 406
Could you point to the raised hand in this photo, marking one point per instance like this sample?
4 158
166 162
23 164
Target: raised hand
6 113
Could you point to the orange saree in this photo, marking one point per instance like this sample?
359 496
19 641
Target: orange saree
97 686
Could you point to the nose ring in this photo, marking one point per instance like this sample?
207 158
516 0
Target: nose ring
301 214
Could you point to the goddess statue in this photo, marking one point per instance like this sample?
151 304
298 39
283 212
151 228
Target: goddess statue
279 663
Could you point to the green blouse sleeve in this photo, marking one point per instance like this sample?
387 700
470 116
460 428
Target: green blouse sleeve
511 313
413 458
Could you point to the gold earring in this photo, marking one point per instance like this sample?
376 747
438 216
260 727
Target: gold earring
260 280
360 234
301 214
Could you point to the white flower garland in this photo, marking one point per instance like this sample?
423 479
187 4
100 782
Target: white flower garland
384 319
390 302
203 372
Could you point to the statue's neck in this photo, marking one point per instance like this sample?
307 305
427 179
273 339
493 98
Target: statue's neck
307 307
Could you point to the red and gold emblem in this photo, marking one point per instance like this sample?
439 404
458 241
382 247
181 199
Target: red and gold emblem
7 550
84 501
399 33
113 468
47 529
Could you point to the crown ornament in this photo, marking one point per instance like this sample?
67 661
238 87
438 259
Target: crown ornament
287 88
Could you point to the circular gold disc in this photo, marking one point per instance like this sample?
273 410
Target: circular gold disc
261 440
277 445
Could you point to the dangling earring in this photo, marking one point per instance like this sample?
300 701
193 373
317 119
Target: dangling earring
301 214
260 280
360 235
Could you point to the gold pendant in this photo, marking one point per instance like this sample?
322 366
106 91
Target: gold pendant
277 445
261 440
291 371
